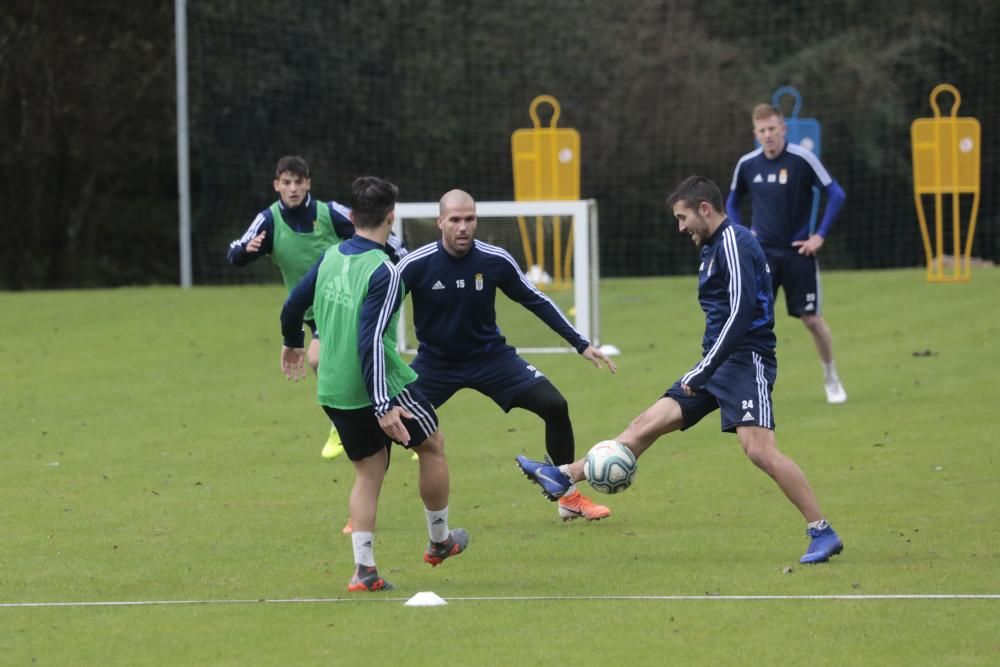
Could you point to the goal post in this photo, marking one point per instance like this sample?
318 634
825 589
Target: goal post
497 224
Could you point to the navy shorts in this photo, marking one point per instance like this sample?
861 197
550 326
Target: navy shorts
501 375
361 434
740 387
799 276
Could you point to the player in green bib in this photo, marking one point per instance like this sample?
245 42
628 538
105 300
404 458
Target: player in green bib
363 385
295 231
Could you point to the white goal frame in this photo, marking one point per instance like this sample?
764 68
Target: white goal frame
586 259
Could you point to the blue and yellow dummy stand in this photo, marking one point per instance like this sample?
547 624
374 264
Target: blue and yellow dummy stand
546 164
946 161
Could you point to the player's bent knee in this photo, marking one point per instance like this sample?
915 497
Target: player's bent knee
555 410
758 444
544 400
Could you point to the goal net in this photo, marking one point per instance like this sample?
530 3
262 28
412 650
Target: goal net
554 242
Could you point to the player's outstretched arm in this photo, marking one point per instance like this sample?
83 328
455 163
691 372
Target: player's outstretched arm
596 357
516 286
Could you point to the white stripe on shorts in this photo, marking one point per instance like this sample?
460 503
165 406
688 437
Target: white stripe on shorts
763 397
427 420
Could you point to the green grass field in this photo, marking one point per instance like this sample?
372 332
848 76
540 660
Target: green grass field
152 451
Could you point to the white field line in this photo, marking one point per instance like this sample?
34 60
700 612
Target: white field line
521 598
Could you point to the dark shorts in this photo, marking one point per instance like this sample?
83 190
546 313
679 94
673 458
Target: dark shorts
501 375
361 434
740 387
799 276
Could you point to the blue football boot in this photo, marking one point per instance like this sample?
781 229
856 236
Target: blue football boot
553 482
824 543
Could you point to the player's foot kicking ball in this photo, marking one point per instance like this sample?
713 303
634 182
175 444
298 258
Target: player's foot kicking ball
553 482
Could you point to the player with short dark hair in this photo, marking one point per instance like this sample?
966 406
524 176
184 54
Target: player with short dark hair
454 283
363 385
737 370
779 177
294 232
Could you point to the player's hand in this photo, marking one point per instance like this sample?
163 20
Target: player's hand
688 391
255 242
291 362
595 356
392 423
810 246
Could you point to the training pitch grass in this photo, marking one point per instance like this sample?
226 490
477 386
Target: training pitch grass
153 452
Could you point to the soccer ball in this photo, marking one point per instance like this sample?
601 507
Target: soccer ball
609 467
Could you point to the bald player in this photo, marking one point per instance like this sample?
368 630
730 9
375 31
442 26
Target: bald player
454 283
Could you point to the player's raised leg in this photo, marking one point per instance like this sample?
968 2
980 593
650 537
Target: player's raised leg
658 419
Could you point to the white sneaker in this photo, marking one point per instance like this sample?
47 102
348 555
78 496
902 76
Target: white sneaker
835 392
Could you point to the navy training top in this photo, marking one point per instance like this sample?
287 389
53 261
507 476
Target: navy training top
454 300
734 290
781 194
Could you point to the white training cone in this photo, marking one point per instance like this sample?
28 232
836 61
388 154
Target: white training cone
425 599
